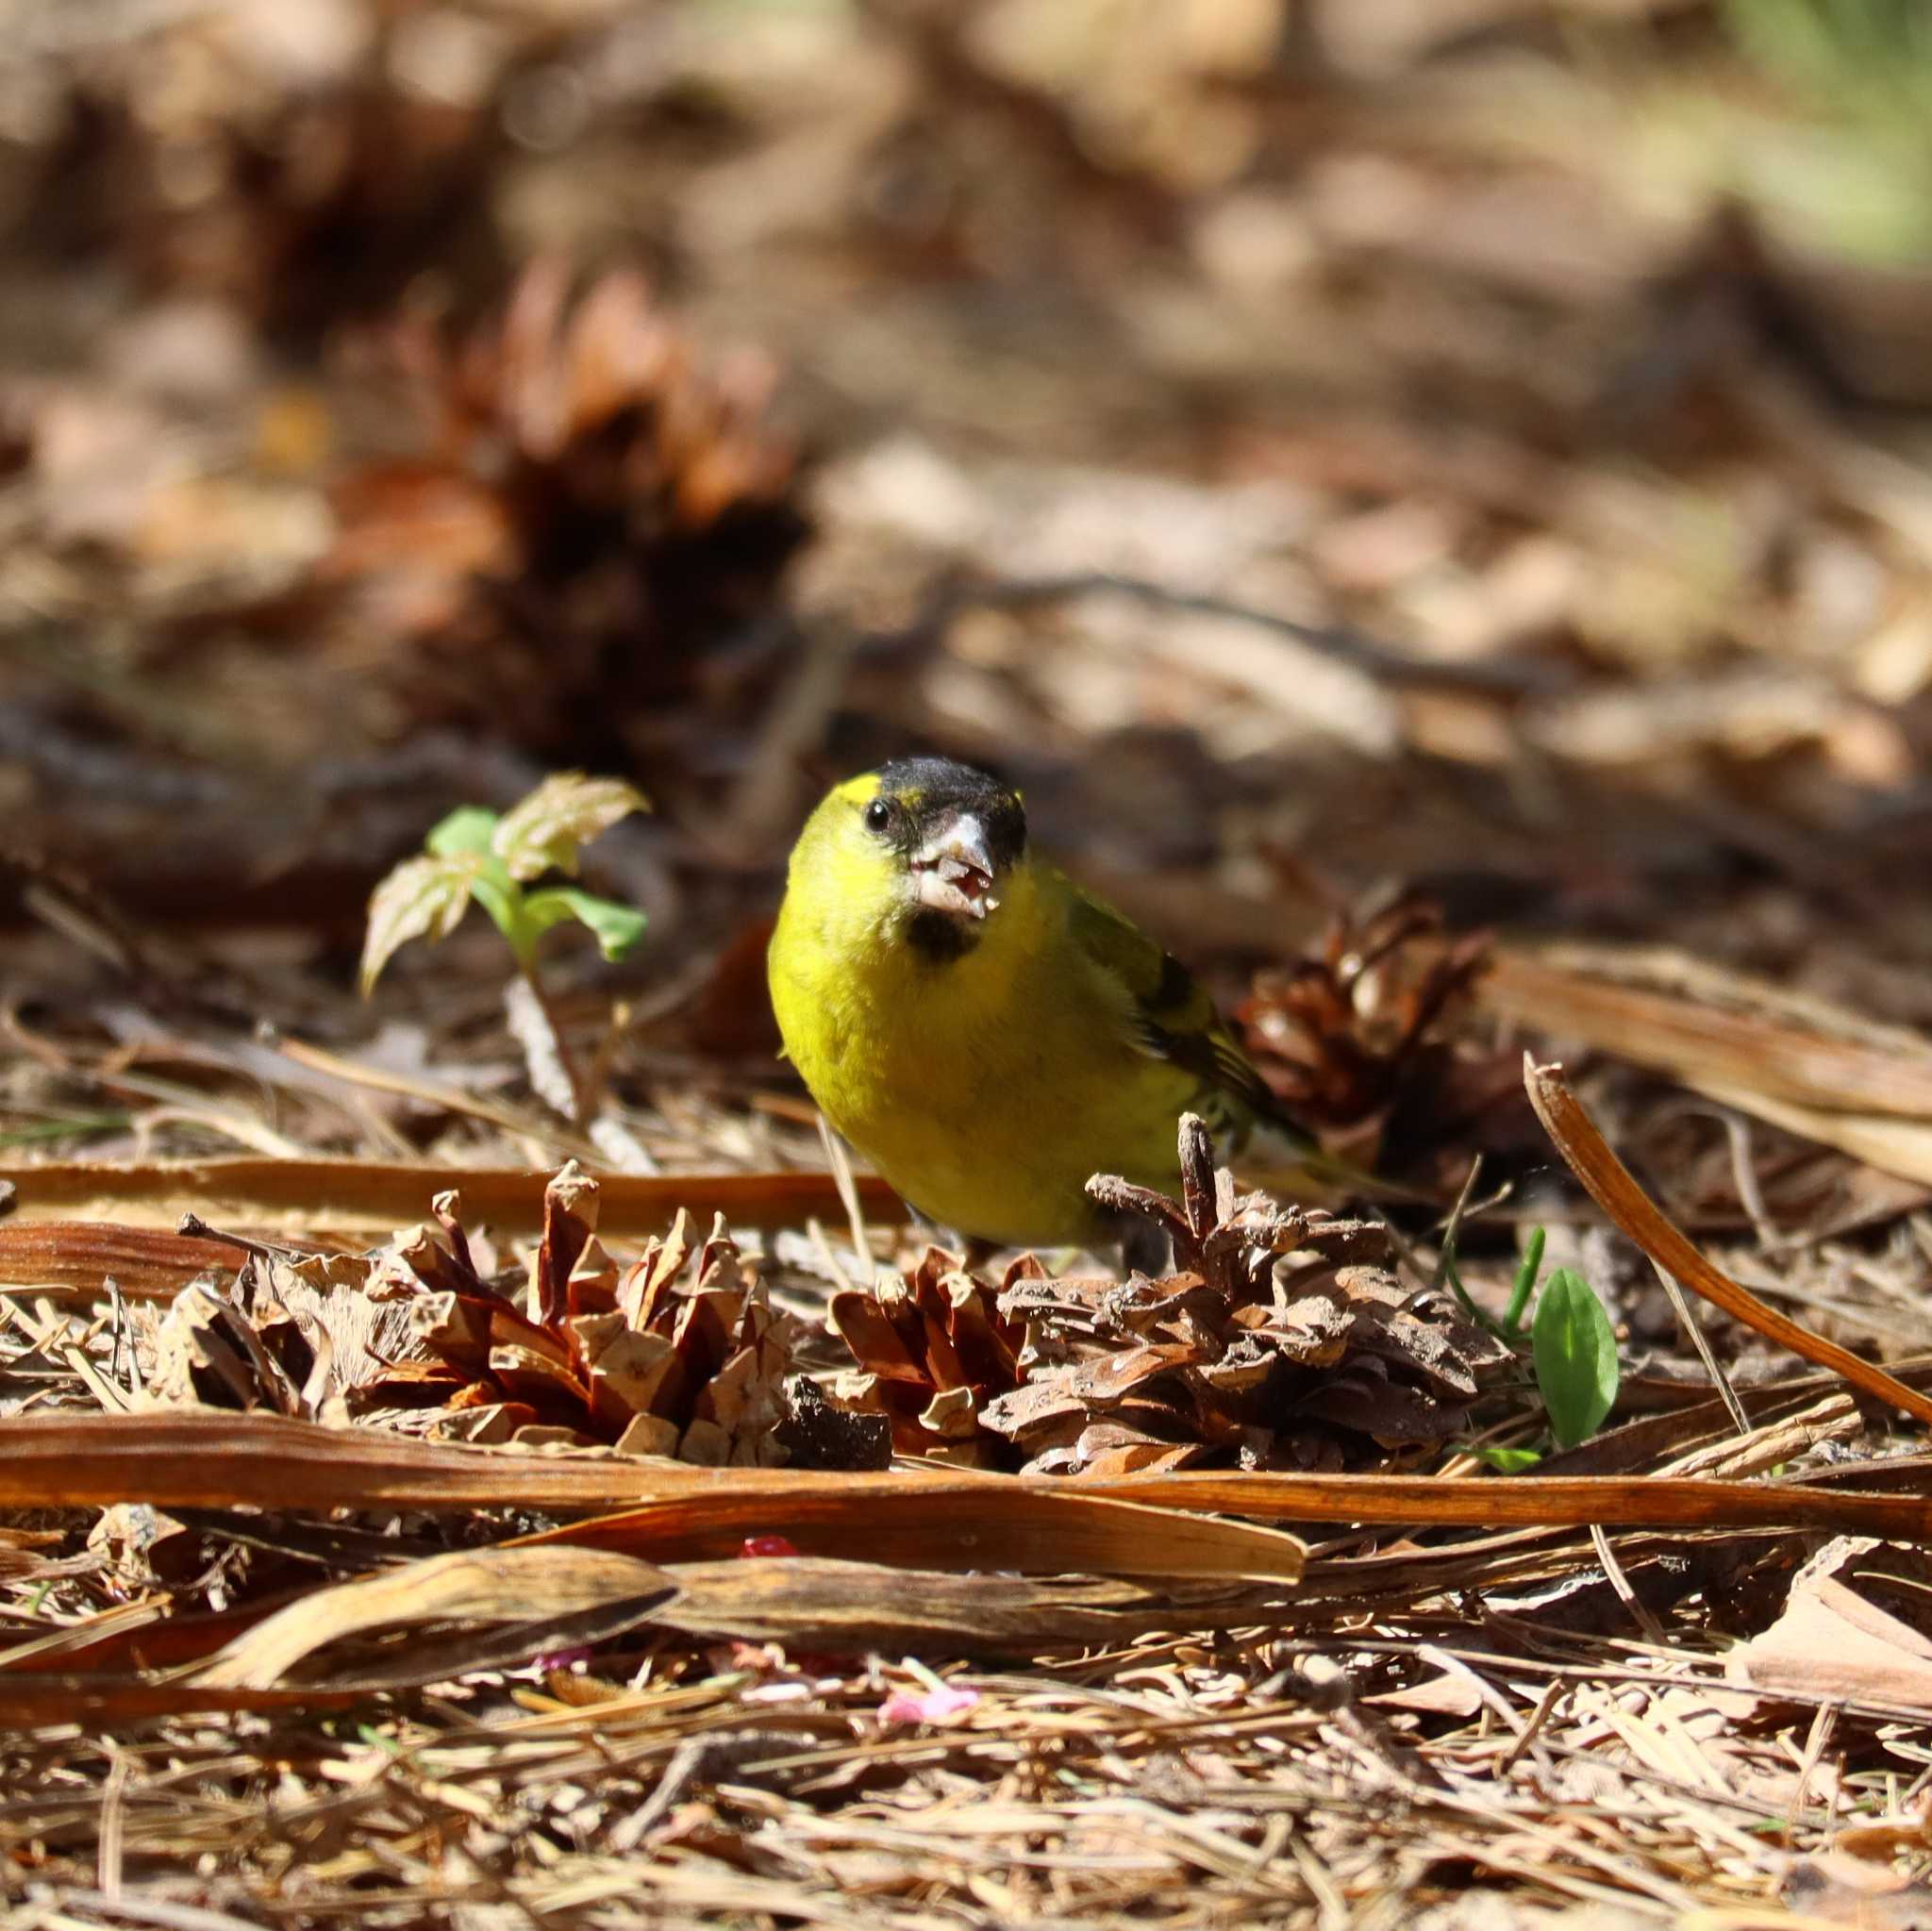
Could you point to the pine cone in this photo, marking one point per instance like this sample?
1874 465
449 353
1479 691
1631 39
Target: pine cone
596 509
932 1350
1343 1035
1278 1344
680 1354
693 1359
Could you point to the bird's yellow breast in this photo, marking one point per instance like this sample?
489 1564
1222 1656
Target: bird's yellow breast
988 1087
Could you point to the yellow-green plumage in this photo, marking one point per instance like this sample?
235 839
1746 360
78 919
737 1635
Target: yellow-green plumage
987 1087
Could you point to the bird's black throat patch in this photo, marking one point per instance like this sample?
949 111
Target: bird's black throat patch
939 937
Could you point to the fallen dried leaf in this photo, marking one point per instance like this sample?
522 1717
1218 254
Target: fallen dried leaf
528 1596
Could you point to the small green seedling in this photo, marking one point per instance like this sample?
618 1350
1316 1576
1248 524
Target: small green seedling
1575 1353
1572 1341
475 853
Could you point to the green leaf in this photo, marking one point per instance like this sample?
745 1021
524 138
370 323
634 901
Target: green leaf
466 831
466 834
1576 1357
616 928
1509 1461
422 897
542 833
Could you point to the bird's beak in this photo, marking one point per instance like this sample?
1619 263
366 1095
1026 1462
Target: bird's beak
953 871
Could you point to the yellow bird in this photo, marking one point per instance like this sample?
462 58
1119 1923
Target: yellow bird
984 1032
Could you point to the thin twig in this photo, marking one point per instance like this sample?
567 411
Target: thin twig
1639 1611
1687 1321
840 1162
1446 1269
1553 1693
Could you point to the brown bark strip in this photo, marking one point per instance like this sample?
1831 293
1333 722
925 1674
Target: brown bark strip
211 1459
77 1255
335 1196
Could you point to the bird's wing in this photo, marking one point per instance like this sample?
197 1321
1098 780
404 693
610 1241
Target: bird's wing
1172 1018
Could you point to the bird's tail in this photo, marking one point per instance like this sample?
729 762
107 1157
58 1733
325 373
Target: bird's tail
1283 1159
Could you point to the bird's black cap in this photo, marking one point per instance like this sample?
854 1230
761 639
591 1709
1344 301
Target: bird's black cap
930 788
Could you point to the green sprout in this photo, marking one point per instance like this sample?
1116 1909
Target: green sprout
475 853
1571 1343
493 860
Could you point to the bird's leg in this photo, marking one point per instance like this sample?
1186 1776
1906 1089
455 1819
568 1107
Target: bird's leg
1144 1247
977 1251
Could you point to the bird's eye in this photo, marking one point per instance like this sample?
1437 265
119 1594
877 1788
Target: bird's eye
878 814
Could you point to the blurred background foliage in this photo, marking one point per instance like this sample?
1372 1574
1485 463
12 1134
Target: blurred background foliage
400 397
